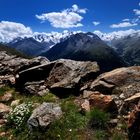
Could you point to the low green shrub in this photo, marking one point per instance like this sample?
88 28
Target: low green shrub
98 119
119 136
3 90
100 135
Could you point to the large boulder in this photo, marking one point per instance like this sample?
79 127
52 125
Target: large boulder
11 63
31 63
44 115
67 76
120 83
121 80
62 77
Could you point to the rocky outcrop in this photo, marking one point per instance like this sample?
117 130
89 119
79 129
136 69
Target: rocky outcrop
67 76
10 65
122 80
120 83
60 77
44 115
38 75
117 91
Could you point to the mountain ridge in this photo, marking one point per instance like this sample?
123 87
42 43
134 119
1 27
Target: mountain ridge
85 47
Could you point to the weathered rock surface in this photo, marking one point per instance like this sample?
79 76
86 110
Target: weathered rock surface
4 109
36 88
6 97
85 106
15 103
67 76
11 64
120 83
44 115
103 102
130 103
61 76
91 100
122 80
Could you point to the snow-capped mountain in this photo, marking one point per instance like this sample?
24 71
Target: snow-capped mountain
126 43
38 42
85 47
108 37
54 37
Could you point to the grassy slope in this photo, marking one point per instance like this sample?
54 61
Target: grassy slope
11 51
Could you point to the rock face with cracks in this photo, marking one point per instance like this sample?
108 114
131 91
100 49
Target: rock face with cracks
62 77
44 115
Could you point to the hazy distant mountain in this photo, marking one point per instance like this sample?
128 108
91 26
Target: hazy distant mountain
129 48
108 37
28 46
11 51
86 46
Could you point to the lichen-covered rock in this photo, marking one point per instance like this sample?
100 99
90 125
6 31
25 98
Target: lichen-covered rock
44 115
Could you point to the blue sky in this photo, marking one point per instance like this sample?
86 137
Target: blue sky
85 15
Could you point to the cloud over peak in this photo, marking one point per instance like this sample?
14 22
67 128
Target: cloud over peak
11 30
123 24
68 18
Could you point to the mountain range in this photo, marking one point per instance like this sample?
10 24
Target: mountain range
128 48
38 43
124 46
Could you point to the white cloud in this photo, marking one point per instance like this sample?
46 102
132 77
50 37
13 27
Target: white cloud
139 3
12 30
123 25
136 11
126 20
75 8
96 23
67 18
